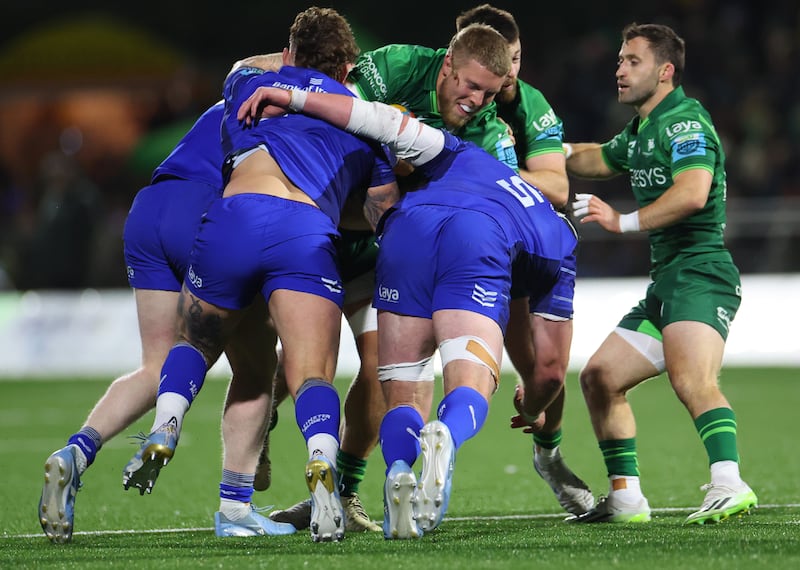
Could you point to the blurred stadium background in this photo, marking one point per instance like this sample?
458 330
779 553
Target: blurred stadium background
94 94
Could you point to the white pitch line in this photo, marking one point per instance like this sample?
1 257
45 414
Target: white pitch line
453 519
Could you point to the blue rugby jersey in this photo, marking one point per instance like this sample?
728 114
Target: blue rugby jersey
323 161
466 176
198 156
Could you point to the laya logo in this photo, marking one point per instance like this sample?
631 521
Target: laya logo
545 121
195 279
388 294
683 127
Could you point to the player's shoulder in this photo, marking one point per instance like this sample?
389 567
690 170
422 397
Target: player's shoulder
400 52
527 90
687 116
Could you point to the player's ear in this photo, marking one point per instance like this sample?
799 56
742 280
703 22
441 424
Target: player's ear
667 71
447 65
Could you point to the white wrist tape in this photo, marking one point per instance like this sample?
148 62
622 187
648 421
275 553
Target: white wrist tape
297 99
567 150
629 222
417 143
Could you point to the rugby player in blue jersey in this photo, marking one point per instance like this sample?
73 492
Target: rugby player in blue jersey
273 234
539 337
158 236
443 280
159 233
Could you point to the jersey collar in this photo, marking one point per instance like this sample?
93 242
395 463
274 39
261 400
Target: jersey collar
672 100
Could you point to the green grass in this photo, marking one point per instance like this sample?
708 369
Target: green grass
501 514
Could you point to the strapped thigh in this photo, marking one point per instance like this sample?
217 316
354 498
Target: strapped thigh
421 371
472 348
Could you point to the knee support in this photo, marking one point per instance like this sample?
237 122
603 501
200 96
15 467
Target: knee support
472 348
421 371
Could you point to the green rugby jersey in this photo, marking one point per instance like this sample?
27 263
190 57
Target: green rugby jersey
678 135
405 75
537 129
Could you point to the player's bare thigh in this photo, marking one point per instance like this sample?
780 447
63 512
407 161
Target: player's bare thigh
309 328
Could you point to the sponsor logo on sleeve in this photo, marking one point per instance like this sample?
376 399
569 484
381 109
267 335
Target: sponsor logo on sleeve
693 144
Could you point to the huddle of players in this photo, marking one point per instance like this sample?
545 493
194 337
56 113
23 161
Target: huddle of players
453 89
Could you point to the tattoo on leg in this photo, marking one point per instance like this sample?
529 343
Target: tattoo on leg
202 328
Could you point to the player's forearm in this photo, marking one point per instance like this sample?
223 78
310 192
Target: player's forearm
409 139
554 185
331 107
585 160
379 199
677 203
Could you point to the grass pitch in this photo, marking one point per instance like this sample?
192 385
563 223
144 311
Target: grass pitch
501 514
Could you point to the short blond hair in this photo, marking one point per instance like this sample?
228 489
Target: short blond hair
485 45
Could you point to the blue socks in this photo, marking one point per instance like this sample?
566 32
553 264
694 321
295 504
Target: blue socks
89 441
183 372
399 435
464 411
236 486
316 411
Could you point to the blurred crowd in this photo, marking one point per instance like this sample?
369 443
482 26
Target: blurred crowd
61 224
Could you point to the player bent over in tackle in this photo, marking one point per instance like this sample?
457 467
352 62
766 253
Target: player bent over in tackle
158 237
272 233
442 281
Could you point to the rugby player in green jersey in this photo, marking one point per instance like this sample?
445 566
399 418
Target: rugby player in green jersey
676 165
447 88
539 338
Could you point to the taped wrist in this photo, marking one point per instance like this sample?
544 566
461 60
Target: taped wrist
629 222
297 99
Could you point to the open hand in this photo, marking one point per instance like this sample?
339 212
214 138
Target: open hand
589 208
